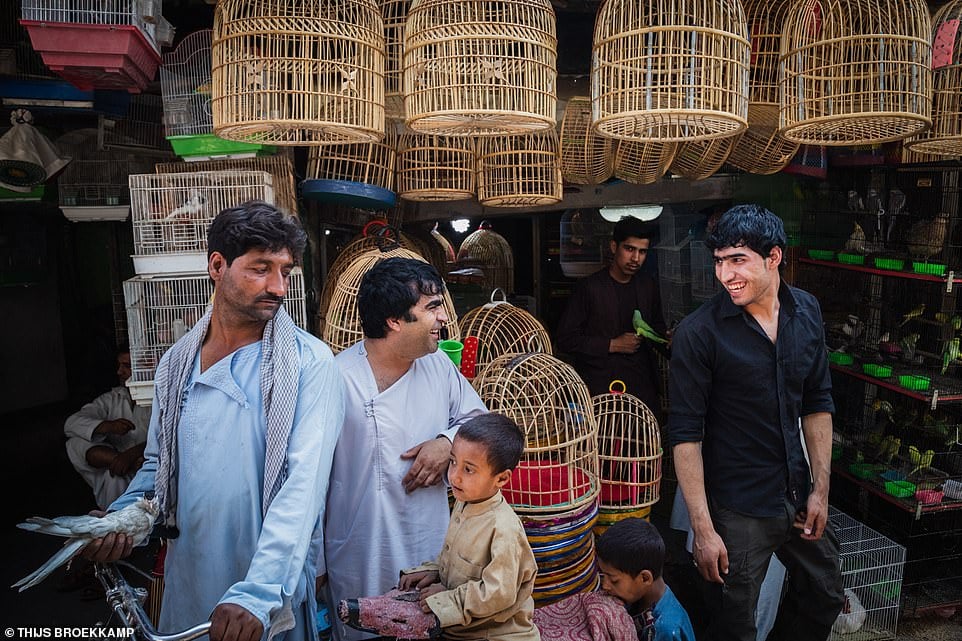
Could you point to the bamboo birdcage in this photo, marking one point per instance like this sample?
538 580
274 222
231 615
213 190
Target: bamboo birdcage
547 398
945 136
342 326
394 13
519 171
762 148
371 162
643 163
488 250
502 328
586 157
480 67
699 160
298 73
670 70
435 168
855 72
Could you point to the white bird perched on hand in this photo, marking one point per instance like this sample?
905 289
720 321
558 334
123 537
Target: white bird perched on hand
136 520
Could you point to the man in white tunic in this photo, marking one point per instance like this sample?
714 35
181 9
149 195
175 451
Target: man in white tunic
388 506
247 412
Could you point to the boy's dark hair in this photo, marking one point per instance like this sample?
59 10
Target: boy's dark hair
750 226
499 435
632 545
390 289
630 226
255 225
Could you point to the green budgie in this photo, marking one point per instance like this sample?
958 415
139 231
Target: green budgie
644 329
950 353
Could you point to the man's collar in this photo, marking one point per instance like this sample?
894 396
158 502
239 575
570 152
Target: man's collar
786 300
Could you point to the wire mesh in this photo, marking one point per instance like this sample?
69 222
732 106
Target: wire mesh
185 78
96 177
143 14
140 129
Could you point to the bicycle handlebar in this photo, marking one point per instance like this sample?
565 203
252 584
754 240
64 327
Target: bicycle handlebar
126 603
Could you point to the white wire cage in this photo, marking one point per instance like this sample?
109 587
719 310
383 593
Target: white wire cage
185 86
140 129
145 15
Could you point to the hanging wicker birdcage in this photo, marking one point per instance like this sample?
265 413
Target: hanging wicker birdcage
855 72
435 168
342 326
298 73
586 157
763 149
395 13
945 136
489 251
479 67
699 160
501 328
547 398
643 163
369 163
519 171
670 70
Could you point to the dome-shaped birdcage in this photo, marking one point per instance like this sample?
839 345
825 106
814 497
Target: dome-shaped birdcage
298 73
342 326
545 396
435 168
586 157
762 148
671 70
945 136
643 163
699 160
501 328
369 163
395 13
489 251
480 67
855 71
519 171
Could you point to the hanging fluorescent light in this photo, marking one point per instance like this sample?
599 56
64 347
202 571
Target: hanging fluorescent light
614 213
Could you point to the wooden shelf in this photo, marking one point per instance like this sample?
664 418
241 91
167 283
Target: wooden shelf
874 270
952 396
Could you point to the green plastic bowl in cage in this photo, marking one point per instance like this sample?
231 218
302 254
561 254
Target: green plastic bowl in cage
899 489
840 358
850 259
914 382
891 264
933 269
821 254
878 371
865 470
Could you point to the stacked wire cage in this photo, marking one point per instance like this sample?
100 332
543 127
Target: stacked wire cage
555 487
502 328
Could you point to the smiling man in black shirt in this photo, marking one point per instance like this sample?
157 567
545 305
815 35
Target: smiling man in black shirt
746 368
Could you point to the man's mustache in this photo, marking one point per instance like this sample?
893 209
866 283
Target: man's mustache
270 299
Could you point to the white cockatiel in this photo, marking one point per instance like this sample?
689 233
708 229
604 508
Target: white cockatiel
136 520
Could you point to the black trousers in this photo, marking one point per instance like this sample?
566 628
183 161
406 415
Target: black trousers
814 595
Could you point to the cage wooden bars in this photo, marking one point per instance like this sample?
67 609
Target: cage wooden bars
394 13
855 71
586 157
435 168
699 160
547 398
629 451
670 70
302 72
762 149
488 250
643 163
519 171
501 328
371 162
480 67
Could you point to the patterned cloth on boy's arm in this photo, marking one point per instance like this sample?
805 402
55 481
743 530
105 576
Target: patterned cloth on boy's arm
590 616
395 614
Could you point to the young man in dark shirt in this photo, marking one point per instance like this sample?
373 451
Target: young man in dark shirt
747 368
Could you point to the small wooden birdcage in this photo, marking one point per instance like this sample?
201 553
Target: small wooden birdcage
643 163
501 328
699 160
298 73
547 398
489 251
629 450
370 163
480 67
342 323
586 157
435 168
519 171
763 149
395 13
671 70
945 137
855 72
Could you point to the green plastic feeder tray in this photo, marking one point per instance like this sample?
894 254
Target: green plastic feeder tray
933 269
900 489
878 371
836 451
821 254
840 358
914 382
210 146
891 264
851 259
865 470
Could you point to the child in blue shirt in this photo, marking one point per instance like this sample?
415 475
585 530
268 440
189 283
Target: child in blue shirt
631 554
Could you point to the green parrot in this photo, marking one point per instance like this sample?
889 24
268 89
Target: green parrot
644 329
914 313
950 353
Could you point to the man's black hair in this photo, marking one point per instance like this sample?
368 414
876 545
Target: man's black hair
632 545
629 226
750 226
390 289
500 436
255 225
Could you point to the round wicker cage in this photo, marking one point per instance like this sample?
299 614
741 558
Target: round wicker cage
699 160
342 326
586 157
545 396
629 451
435 168
488 250
371 163
763 149
643 163
298 73
395 13
855 72
945 136
670 70
501 328
519 171
478 67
